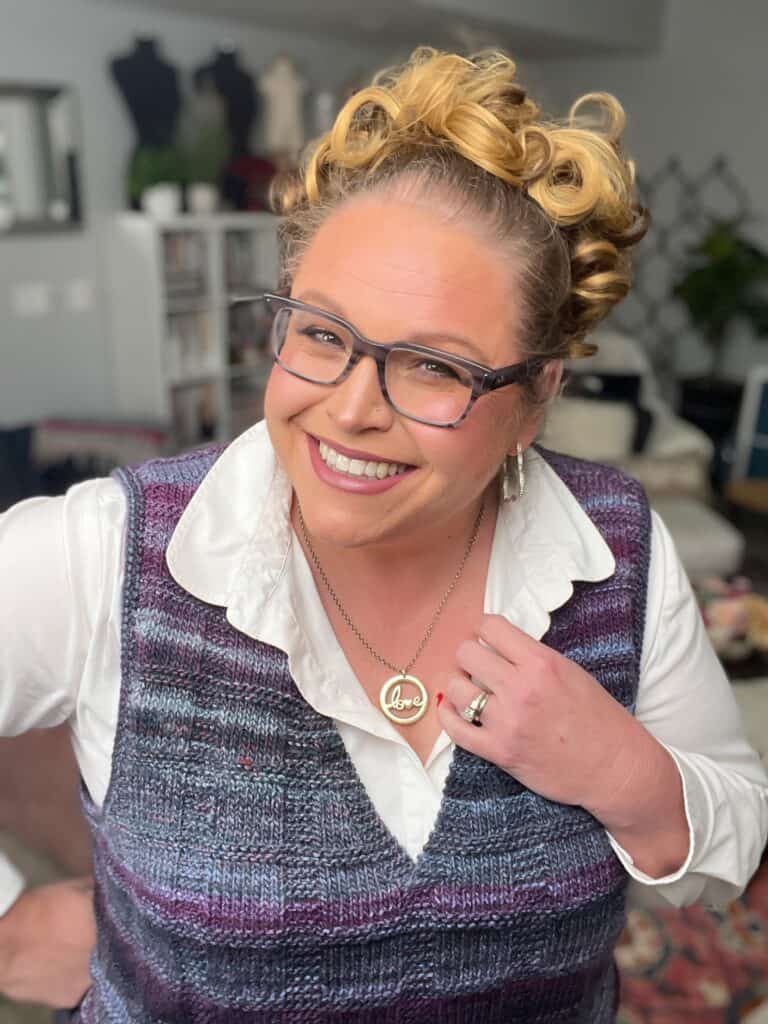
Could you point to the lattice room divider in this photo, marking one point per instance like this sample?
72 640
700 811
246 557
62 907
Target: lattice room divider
683 206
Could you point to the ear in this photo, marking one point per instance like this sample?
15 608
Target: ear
548 386
551 379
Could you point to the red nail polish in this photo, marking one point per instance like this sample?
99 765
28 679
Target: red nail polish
438 698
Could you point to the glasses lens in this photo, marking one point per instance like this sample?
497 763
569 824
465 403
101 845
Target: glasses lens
427 387
310 344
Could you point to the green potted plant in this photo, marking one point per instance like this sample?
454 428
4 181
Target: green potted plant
156 172
725 281
205 144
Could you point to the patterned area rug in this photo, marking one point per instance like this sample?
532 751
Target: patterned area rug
696 965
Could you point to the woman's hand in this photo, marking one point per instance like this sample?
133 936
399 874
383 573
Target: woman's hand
46 940
558 732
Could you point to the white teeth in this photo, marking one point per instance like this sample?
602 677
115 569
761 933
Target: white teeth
358 467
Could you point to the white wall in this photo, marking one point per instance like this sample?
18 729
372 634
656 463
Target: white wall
57 362
704 93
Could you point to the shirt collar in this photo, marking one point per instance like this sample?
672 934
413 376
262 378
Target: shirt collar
233 543
236 527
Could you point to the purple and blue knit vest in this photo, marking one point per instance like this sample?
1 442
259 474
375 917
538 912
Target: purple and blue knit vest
243 875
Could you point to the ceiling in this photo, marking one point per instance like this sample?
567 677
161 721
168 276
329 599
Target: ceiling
464 24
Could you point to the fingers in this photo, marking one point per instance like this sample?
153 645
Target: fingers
508 640
490 669
460 691
500 649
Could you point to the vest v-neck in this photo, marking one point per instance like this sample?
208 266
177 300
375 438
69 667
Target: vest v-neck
374 819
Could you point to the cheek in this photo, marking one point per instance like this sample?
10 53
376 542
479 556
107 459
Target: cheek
286 396
469 456
507 410
495 431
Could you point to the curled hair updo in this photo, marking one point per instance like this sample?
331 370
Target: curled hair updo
461 133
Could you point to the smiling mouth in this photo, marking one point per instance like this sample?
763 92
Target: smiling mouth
359 467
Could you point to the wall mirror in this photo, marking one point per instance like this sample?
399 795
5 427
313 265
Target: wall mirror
40 147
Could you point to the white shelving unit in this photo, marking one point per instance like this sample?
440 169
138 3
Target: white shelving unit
183 357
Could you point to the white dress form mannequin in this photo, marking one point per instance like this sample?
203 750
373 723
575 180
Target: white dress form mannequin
283 89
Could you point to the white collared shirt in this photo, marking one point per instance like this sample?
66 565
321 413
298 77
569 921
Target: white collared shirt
61 575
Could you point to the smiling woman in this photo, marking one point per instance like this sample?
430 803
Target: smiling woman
400 269
379 708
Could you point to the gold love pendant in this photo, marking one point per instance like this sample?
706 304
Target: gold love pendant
399 702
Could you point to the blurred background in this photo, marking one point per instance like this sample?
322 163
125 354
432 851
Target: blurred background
137 142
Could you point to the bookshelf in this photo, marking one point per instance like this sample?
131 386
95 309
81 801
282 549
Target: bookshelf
185 360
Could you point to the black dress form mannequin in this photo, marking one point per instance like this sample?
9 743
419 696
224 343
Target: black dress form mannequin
237 89
150 88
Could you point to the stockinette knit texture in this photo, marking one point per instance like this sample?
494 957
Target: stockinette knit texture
243 875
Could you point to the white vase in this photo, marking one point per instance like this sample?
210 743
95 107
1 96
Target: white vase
161 201
202 198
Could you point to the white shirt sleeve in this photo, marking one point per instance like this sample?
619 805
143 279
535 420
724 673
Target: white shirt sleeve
685 700
54 584
11 884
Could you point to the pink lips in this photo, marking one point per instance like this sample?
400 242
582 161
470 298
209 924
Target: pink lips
352 453
355 484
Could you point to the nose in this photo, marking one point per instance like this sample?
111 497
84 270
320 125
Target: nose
357 403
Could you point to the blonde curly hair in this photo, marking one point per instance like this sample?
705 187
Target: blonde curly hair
558 196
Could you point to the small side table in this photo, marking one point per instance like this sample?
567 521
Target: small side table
751 495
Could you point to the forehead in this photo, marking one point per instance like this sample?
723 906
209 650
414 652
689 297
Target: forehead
395 268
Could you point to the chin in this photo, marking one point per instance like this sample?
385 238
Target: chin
337 531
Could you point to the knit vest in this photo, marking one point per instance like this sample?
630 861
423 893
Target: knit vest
243 875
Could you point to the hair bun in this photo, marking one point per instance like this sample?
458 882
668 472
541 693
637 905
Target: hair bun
467 123
472 106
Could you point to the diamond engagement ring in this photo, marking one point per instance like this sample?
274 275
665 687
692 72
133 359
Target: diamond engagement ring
474 709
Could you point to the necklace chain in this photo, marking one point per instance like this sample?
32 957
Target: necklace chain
435 617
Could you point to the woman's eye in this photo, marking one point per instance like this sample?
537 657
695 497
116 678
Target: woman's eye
439 369
320 334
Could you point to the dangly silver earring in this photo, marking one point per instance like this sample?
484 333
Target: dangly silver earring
513 477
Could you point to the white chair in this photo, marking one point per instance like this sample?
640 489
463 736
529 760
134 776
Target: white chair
673 465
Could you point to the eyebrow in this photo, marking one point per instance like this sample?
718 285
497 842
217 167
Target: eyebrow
427 338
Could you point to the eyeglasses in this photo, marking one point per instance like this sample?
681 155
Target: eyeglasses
424 384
